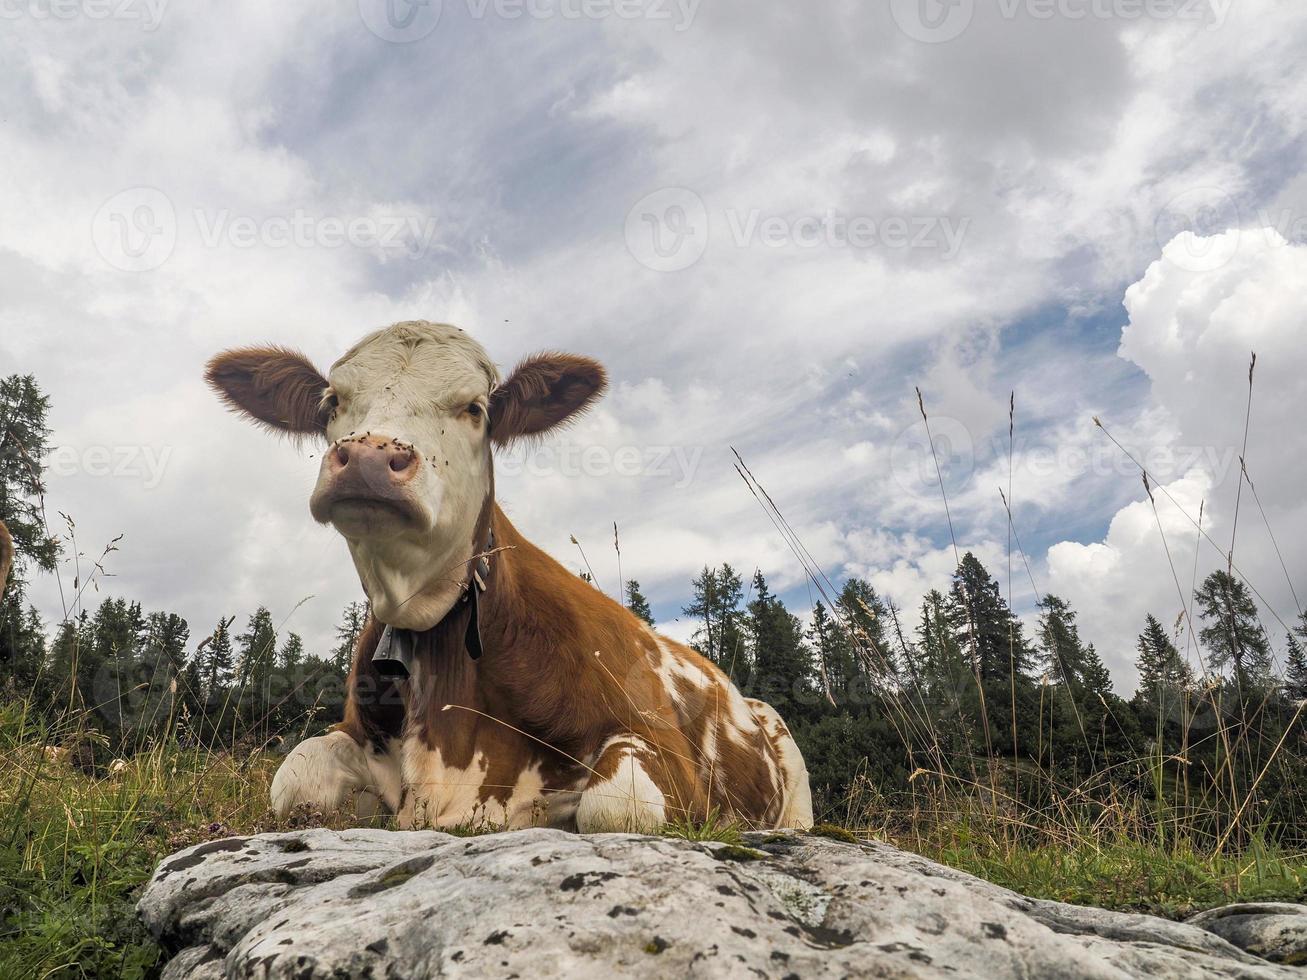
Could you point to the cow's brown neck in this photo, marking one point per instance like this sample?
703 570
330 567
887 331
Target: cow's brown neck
523 678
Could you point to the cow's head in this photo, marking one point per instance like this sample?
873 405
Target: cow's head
409 416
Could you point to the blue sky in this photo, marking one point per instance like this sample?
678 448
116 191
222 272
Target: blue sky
770 223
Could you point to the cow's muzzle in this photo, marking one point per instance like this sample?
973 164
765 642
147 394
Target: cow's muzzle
367 487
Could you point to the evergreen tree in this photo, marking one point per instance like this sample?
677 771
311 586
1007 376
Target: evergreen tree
1063 659
292 652
256 649
352 621
1164 677
637 603
24 445
166 636
24 438
865 614
782 668
989 633
1097 679
834 653
218 660
110 670
717 597
162 668
1233 636
1295 668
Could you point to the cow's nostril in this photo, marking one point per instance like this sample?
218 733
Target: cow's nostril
342 455
401 460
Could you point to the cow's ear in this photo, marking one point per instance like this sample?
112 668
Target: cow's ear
274 386
544 391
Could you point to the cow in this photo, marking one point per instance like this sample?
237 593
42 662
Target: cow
491 686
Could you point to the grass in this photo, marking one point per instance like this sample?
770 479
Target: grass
76 848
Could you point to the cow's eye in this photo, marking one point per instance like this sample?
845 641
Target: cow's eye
475 410
332 402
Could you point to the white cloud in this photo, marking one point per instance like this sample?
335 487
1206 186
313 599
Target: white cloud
1060 144
1193 332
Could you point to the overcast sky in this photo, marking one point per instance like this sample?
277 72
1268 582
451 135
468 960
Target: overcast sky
770 221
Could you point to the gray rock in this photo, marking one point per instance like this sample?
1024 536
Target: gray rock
543 903
1276 931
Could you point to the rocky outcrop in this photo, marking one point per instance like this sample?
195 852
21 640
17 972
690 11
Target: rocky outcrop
543 903
1276 931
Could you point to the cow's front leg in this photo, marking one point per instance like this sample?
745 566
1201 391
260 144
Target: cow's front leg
629 789
333 772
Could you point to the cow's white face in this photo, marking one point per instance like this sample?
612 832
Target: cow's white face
409 416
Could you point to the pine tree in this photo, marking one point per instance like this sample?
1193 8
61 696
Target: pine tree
865 614
218 660
985 627
637 603
1065 659
834 653
943 661
1295 665
717 597
782 667
1233 636
256 648
166 636
352 621
1097 679
292 652
162 667
24 445
1163 674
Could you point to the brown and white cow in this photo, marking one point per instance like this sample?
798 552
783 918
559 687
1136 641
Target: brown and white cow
558 706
